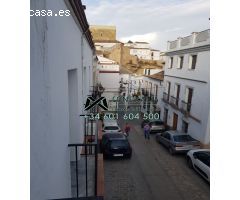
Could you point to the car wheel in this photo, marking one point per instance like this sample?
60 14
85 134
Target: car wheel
189 162
171 151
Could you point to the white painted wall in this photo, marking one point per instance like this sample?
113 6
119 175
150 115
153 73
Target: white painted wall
139 81
199 109
108 76
110 81
141 53
155 55
201 95
200 73
55 49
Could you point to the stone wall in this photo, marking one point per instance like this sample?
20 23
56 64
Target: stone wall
103 33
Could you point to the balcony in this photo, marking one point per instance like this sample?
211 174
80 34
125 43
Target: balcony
155 100
151 97
165 97
146 93
186 107
174 101
195 39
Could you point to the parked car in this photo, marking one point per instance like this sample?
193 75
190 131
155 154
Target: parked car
157 126
109 121
177 142
199 160
115 145
111 127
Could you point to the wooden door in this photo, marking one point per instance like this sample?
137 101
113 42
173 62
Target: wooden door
175 121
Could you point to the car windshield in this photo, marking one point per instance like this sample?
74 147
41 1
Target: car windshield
111 128
157 123
207 153
182 138
119 143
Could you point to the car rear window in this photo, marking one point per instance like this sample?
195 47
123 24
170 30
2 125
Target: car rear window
182 138
119 143
157 123
111 128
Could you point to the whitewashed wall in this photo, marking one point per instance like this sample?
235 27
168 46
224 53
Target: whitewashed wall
201 93
55 49
141 53
155 55
200 73
200 108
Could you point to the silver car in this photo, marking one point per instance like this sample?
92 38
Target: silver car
111 127
200 161
177 141
157 127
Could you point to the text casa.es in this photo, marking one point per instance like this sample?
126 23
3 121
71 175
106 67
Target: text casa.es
49 13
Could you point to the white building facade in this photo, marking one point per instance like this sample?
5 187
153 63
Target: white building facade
143 51
109 78
152 88
149 89
61 78
186 98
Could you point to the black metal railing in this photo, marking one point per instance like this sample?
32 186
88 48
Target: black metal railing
155 100
147 93
86 153
174 101
165 97
88 150
151 96
186 107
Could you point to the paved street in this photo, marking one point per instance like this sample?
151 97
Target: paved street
152 173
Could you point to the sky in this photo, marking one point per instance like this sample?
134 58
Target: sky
153 21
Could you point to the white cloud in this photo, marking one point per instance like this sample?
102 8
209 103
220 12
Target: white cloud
148 37
154 20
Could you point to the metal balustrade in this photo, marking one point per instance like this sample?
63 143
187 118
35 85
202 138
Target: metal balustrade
174 101
186 107
166 97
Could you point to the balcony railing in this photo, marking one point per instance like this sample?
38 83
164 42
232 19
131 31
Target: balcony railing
191 40
87 149
166 97
174 101
186 107
155 100
151 97
146 93
143 91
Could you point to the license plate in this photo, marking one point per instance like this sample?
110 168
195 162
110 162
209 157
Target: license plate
117 155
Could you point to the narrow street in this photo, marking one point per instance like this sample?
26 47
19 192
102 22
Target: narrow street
152 173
